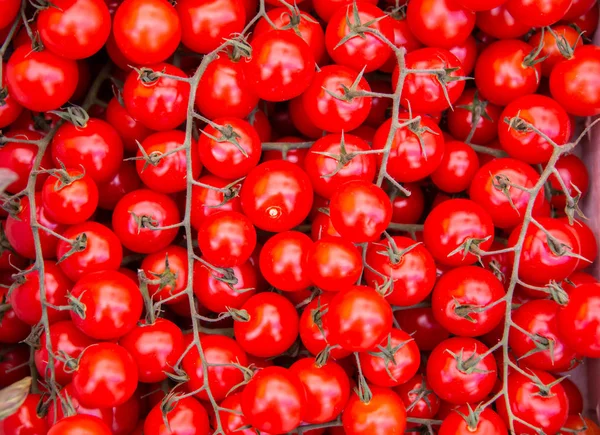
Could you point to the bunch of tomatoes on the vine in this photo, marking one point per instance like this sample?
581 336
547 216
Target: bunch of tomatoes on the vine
244 217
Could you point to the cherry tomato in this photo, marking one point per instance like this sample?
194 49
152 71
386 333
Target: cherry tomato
384 414
284 261
129 129
10 110
470 108
538 13
403 37
499 23
26 420
206 201
12 329
19 158
439 23
125 180
421 324
457 169
550 48
419 400
300 119
487 422
10 9
334 263
583 426
13 364
588 246
170 267
578 321
70 197
233 423
574 175
187 417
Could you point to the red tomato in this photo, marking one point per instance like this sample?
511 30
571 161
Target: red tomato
301 120
574 396
170 267
573 173
70 197
187 417
110 192
403 37
326 8
40 80
487 422
26 421
19 158
282 66
284 261
11 109
538 13
207 201
334 263
457 169
159 103
457 373
504 72
476 6
233 422
230 151
333 114
138 214
113 304
407 209
12 329
129 129
421 324
276 196
583 426
588 246
440 23
272 326
419 400
468 109
10 9
13 363
384 414
205 25
274 400
146 31
453 223
499 23
551 49
579 320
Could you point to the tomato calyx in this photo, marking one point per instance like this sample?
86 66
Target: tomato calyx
545 390
295 16
415 127
531 59
74 114
342 159
503 184
464 311
77 245
564 48
472 418
75 305
470 246
358 28
65 177
147 75
362 388
469 365
397 13
421 393
239 315
349 93
477 109
228 134
144 221
388 353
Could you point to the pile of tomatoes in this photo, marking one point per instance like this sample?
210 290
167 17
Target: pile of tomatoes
327 217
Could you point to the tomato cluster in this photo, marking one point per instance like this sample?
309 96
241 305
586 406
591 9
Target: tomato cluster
332 217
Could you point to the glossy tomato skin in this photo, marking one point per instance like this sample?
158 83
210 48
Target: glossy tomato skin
461 119
539 263
459 385
488 423
129 129
146 32
224 90
422 326
545 411
539 318
574 175
332 114
360 211
60 33
588 246
96 147
272 327
457 169
368 52
73 202
403 37
406 161
125 180
499 23
113 304
550 49
419 400
19 158
106 376
413 273
503 74
218 349
231 422
12 329
359 318
274 401
383 415
579 322
25 296
188 417
169 175
225 158
155 348
160 104
583 425
226 239
276 196
80 424
284 261
10 8
206 201
40 80
334 263
327 174
543 113
538 13
170 265
282 66
300 119
160 210
494 201
206 24
450 224
440 23
466 287
407 209
19 234
26 421
574 82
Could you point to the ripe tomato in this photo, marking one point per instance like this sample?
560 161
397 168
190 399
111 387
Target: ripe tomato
583 426
19 159
158 103
233 422
146 31
457 373
79 424
272 326
403 37
439 23
457 169
284 261
573 173
70 197
12 329
61 31
300 119
326 8
462 298
170 266
125 180
282 66
138 214
574 82
40 80
187 417
206 24
419 400
360 211
587 241
487 422
469 108
276 196
407 209
359 318
350 46
541 262
13 364
416 151
96 147
421 324
106 376
220 150
223 352
334 263
329 171
129 129
10 9
538 13
579 322
301 23
224 90
453 223
505 204
333 114
274 401
499 23
574 396
542 405
550 48
10 110
169 174
206 201
384 414
504 72
113 304
26 420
